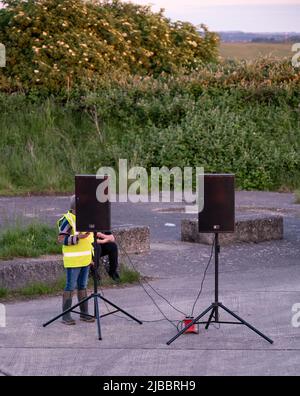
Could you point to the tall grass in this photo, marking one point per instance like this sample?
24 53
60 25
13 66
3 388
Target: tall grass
234 117
42 146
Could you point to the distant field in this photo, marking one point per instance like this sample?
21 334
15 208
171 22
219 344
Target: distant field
251 51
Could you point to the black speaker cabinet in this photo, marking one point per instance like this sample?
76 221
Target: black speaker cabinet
91 214
218 214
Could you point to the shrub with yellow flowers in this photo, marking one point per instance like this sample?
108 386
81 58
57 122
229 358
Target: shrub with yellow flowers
61 44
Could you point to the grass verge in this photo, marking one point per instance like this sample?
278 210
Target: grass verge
297 194
35 289
38 289
33 240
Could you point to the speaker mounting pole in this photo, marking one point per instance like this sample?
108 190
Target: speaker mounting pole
217 251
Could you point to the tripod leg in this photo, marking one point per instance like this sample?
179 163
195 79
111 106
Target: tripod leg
97 316
189 325
120 309
210 318
66 311
246 323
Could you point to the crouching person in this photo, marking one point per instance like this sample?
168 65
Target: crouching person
77 256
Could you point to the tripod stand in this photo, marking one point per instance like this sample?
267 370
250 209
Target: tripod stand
95 296
214 307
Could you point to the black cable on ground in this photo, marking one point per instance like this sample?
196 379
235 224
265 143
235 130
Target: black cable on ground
179 322
144 321
131 320
148 284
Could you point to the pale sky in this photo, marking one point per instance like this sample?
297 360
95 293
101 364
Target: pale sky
246 15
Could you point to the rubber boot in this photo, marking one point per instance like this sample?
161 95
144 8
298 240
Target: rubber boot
84 307
114 276
67 303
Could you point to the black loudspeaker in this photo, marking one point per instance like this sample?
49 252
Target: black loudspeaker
218 214
92 213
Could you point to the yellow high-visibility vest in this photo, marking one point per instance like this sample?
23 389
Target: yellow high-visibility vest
79 255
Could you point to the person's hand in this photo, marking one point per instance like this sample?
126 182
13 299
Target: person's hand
103 238
83 235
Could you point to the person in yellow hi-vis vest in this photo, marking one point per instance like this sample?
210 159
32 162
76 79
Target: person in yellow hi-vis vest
77 249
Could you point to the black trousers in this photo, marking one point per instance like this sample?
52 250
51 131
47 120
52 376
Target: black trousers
110 249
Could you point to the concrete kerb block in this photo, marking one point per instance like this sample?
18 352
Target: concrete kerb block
248 228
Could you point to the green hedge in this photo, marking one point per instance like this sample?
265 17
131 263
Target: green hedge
234 117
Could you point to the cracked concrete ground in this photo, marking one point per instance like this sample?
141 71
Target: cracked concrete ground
260 282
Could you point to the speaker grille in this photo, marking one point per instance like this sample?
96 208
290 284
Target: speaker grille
218 214
91 215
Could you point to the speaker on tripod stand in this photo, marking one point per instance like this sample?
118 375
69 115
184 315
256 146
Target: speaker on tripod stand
217 216
93 214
